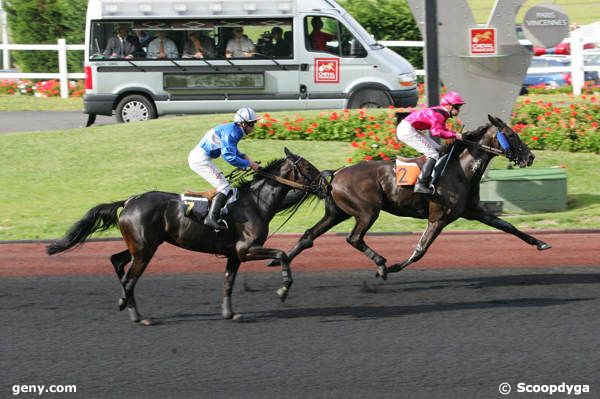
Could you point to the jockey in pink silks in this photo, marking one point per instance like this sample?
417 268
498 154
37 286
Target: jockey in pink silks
409 131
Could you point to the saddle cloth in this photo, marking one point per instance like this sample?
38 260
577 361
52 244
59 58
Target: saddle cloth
406 173
197 205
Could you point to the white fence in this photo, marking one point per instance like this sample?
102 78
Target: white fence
63 74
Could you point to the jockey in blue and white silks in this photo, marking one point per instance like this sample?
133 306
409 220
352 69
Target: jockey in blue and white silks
222 141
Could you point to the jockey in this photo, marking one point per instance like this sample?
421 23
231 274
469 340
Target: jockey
222 141
409 131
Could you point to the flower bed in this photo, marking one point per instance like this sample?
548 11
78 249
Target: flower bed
542 125
41 88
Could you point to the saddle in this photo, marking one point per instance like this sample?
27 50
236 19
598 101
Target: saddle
196 204
408 169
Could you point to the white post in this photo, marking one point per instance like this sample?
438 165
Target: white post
62 68
5 51
577 74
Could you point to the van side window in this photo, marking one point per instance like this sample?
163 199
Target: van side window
328 35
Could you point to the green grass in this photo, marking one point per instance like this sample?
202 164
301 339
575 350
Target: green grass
50 179
31 103
581 12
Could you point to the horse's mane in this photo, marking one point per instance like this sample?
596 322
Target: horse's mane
477 133
242 179
473 135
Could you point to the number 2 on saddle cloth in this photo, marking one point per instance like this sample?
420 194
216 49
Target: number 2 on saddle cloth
406 173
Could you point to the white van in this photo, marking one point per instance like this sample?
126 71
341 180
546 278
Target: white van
141 61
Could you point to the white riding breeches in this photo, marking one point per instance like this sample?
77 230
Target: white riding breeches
420 142
202 164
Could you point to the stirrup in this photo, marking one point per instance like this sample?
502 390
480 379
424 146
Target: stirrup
420 188
217 225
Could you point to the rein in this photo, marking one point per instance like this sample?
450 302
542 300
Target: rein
285 181
484 147
503 143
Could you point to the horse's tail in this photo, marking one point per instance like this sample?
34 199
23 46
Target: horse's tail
98 218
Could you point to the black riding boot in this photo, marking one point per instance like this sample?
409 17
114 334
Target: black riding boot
214 214
422 185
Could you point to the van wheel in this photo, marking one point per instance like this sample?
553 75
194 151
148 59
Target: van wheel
135 108
370 98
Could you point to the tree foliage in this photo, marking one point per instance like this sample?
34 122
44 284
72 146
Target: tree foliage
388 20
43 22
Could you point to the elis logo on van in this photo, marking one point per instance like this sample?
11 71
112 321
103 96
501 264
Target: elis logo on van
327 70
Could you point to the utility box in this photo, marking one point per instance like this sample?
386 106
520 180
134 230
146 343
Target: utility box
526 190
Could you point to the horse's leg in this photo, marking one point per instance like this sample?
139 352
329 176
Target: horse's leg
434 228
333 216
233 265
119 261
485 217
140 261
364 221
258 253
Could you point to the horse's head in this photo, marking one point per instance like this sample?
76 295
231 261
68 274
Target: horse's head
301 171
507 140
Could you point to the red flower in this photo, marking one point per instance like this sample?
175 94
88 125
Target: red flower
535 138
595 125
368 157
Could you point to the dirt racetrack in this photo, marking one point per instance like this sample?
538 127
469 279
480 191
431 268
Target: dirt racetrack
472 249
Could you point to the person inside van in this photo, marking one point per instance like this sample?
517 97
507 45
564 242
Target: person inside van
318 38
280 47
162 47
120 45
222 141
288 38
239 46
144 38
409 131
198 46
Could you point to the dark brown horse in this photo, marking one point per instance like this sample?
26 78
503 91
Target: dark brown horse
147 220
364 189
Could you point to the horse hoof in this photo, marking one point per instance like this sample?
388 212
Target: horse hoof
134 315
273 263
282 293
227 314
542 246
122 304
148 322
381 272
237 317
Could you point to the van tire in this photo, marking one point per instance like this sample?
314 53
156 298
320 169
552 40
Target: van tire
370 98
135 108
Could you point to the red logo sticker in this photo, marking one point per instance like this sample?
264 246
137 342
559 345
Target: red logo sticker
327 70
483 41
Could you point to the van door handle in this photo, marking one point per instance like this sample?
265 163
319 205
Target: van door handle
304 67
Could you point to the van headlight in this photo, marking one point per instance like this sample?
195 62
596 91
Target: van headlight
407 79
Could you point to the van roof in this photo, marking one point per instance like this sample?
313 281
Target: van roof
141 9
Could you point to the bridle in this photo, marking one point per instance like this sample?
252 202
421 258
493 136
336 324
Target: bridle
317 186
506 151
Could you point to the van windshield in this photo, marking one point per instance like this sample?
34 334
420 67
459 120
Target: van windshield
191 39
361 32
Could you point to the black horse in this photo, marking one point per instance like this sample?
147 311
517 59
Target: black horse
149 219
364 189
